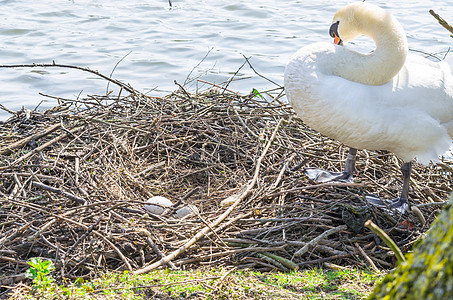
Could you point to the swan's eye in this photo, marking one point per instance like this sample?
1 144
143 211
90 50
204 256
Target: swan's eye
333 31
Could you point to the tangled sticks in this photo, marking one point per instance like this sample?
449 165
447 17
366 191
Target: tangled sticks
74 180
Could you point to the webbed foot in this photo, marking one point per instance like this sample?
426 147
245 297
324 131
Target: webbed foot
320 175
398 206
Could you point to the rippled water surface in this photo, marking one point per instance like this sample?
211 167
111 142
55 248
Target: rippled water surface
155 44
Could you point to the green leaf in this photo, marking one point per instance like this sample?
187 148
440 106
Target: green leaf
31 273
257 94
79 281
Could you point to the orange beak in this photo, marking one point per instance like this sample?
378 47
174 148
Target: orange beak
337 40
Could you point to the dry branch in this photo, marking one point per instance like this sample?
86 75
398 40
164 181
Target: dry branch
8 149
43 146
54 65
386 239
58 191
318 238
441 21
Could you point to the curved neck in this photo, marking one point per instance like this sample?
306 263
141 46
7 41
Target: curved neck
380 66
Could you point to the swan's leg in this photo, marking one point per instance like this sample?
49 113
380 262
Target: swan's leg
406 169
349 166
320 175
399 204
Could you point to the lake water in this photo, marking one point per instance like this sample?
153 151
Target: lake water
155 44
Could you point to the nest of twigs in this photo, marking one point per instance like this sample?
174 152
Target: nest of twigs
74 181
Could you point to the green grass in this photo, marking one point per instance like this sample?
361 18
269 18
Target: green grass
217 284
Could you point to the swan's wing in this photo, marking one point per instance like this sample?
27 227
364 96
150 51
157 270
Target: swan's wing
427 86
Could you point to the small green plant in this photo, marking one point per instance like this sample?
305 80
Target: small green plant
39 272
257 94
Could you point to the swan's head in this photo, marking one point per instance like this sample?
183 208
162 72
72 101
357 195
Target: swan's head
358 18
385 61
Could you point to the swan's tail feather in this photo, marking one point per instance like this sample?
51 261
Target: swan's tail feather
441 148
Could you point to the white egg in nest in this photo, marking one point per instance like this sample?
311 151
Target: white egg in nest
188 210
157 204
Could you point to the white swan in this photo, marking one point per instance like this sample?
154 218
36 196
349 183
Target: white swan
384 100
